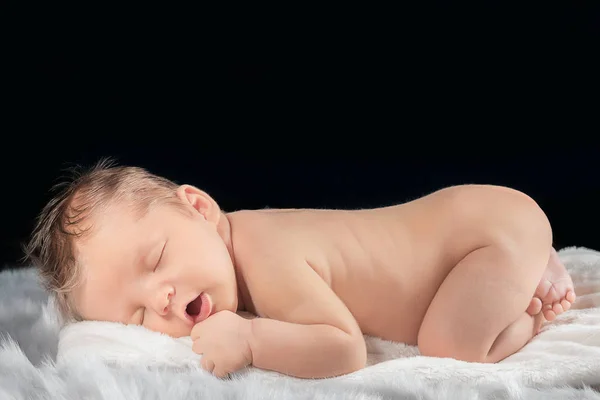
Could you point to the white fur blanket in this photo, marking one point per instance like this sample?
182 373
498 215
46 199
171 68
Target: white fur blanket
112 361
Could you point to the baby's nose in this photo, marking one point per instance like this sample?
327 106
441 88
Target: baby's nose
163 303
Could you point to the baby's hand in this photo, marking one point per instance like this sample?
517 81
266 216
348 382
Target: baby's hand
223 341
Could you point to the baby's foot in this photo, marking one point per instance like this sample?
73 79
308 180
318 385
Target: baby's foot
555 293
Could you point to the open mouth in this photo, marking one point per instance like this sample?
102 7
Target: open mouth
193 309
200 308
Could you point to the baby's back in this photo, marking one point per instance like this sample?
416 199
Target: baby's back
385 264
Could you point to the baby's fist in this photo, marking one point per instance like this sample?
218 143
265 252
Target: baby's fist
223 341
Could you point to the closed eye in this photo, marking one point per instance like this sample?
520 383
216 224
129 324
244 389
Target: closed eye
160 257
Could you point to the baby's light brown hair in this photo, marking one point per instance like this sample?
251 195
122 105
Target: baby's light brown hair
69 215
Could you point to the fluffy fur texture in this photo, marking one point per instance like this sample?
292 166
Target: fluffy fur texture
100 361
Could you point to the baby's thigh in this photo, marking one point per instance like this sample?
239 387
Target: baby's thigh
478 300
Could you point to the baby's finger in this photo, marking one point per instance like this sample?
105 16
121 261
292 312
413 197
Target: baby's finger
220 373
197 331
194 334
207 364
198 347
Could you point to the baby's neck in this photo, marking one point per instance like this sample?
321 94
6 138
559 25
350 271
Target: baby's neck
224 230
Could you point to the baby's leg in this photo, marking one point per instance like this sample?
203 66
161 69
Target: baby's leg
479 312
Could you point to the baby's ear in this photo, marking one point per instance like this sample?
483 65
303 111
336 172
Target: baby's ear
200 201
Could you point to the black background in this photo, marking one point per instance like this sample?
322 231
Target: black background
355 110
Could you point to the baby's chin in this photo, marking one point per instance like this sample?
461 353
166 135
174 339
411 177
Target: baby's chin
175 331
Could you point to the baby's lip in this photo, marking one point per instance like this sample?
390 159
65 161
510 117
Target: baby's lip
206 308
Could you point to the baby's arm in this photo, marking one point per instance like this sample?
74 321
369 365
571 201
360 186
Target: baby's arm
308 331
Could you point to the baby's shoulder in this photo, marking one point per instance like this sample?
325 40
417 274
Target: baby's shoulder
257 236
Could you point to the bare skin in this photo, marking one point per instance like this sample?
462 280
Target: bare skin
458 273
554 294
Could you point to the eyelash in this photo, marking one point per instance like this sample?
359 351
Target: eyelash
160 257
154 270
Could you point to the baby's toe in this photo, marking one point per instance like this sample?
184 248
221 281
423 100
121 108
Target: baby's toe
549 314
566 304
557 308
535 306
570 296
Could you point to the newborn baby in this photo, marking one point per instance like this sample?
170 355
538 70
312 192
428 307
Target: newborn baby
466 272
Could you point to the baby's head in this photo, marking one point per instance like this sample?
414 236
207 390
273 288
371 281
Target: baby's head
121 244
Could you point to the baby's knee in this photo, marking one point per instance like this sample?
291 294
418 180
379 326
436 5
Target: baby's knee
525 220
525 232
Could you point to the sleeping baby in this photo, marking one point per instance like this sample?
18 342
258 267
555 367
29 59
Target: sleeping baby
466 272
